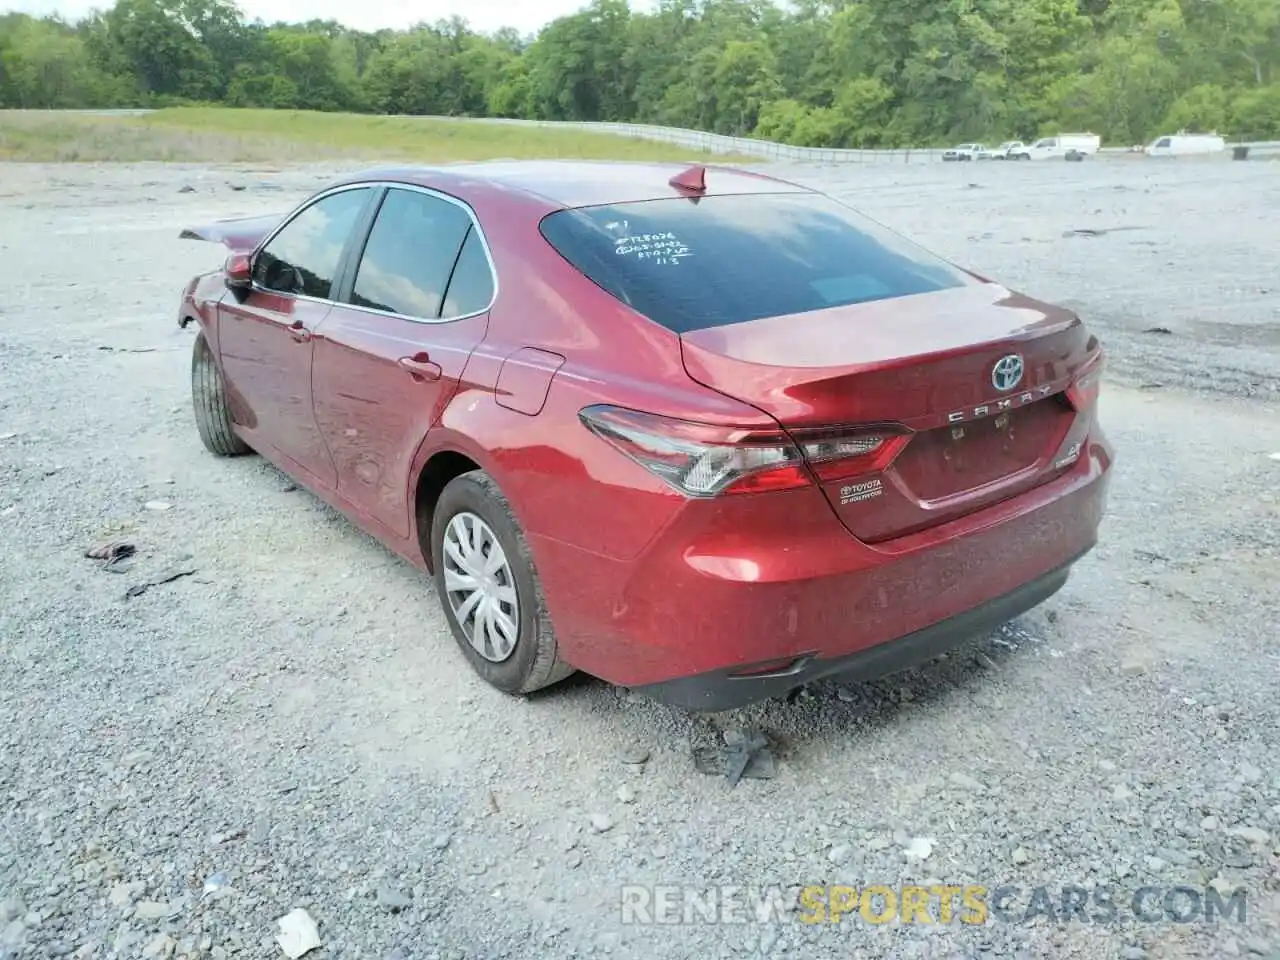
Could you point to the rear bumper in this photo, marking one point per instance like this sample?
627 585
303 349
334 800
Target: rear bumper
723 690
773 583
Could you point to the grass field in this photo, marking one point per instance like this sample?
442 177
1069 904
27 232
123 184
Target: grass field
215 134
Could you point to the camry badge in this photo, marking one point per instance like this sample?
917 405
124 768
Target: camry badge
1007 373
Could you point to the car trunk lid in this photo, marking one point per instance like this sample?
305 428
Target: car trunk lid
920 372
240 235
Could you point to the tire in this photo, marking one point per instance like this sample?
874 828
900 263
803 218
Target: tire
209 400
533 661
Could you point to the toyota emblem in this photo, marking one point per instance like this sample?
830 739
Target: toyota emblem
1007 373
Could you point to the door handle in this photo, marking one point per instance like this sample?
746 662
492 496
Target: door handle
421 367
298 330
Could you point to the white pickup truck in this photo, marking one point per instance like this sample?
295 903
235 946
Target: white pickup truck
1057 147
966 151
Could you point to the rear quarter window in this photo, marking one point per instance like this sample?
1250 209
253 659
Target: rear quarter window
729 259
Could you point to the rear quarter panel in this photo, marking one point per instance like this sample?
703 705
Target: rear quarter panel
564 483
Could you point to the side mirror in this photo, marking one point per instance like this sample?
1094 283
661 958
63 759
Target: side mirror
239 271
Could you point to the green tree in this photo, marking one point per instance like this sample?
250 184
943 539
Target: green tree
576 67
1256 113
1204 108
745 78
311 62
836 73
162 51
44 65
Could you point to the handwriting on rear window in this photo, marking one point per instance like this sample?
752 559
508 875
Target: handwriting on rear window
660 248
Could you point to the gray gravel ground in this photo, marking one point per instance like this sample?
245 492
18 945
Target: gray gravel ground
290 725
1187 250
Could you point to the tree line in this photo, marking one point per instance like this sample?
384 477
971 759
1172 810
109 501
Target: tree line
837 73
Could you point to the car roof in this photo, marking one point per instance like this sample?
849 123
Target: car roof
557 184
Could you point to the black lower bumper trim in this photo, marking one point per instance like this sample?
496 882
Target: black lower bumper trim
722 690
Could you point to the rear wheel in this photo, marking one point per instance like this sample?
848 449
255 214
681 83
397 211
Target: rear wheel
209 399
489 590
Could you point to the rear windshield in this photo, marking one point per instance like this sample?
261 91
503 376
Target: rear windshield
728 259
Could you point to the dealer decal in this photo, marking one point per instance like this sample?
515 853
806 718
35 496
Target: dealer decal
857 492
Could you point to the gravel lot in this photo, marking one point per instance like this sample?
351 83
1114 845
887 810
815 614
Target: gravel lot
290 726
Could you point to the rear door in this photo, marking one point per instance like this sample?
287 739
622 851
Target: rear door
918 391
413 308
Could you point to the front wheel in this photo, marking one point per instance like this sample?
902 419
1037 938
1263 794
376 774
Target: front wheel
489 590
209 400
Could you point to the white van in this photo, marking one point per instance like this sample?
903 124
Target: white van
1057 147
1183 144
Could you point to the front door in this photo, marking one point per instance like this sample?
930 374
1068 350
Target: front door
391 356
265 340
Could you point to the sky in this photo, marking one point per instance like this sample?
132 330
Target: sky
483 15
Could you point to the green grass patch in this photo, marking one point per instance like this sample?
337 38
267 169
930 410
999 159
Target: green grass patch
54 137
224 135
429 141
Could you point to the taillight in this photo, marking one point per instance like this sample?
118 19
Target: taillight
699 459
837 453
1084 390
707 460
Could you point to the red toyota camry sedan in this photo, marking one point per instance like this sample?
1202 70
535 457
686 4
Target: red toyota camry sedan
696 431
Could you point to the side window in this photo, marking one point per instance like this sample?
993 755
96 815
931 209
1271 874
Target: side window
471 287
411 251
303 257
1164 142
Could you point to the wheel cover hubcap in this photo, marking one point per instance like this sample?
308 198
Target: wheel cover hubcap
481 587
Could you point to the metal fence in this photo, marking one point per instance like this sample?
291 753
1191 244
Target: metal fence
747 147
768 150
718 143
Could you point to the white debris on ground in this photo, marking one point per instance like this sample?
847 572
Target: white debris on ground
298 935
